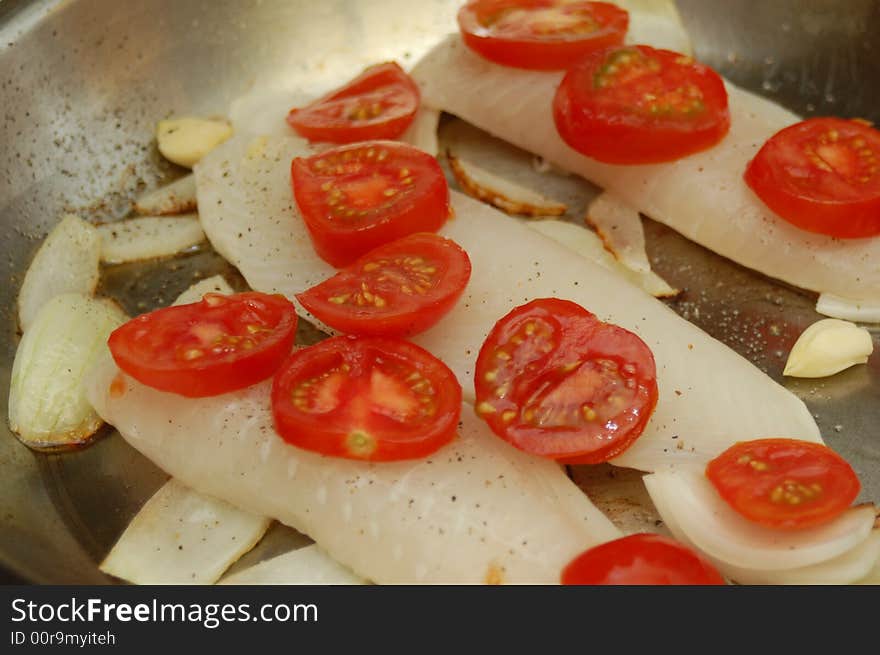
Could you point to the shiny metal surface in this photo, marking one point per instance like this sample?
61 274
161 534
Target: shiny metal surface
84 82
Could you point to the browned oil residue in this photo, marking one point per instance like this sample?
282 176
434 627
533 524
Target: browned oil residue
494 575
118 387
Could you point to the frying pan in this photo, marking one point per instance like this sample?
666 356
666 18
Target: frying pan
84 81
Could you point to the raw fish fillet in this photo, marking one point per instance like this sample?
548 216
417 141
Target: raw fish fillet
702 196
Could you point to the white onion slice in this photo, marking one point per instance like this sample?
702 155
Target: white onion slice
689 501
179 197
620 228
587 244
851 566
303 566
196 292
502 193
147 237
862 311
48 409
67 262
182 537
422 133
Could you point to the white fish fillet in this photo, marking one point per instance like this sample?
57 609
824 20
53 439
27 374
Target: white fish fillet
304 566
182 537
478 510
694 511
702 196
248 213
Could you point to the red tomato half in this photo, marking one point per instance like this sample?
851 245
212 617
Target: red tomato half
822 175
784 483
540 34
366 398
356 198
220 344
639 105
640 559
554 380
396 290
378 104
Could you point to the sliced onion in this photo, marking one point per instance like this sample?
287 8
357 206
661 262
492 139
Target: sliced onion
422 133
182 537
148 237
585 243
67 262
196 292
48 409
862 311
303 566
179 197
620 228
689 501
502 193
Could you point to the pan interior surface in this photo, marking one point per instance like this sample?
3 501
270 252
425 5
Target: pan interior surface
84 83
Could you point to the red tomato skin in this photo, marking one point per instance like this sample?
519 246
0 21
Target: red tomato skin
748 491
615 137
819 202
402 318
310 124
327 436
536 53
206 376
640 559
605 341
339 244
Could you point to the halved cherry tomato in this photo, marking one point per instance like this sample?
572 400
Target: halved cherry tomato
378 104
356 198
396 290
366 398
208 348
639 105
822 175
554 380
640 559
784 483
540 34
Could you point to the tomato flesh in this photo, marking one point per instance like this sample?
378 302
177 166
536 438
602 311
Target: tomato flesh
540 34
822 175
640 559
784 483
640 105
211 347
399 289
356 198
366 398
555 381
378 104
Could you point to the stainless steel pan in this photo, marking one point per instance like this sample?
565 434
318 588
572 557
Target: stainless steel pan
83 82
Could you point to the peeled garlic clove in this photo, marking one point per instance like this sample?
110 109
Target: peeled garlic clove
828 347
185 141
